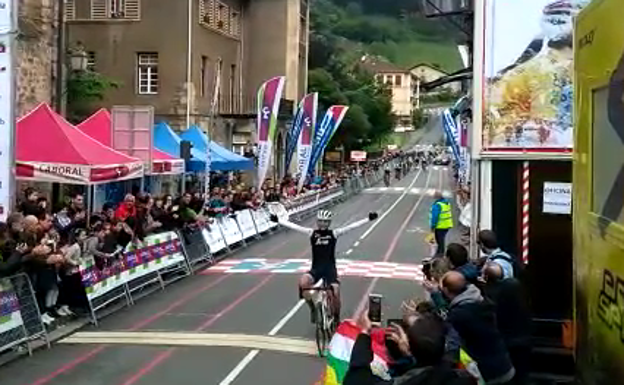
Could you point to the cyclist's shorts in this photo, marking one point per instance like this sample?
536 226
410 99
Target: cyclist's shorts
329 275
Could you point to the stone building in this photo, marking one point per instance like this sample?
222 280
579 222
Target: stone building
36 51
235 45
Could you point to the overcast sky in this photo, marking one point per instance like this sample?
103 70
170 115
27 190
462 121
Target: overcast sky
511 26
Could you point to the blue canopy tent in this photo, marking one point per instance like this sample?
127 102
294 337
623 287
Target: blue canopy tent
221 159
166 140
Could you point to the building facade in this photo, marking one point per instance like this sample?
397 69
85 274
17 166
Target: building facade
425 73
233 47
36 54
400 83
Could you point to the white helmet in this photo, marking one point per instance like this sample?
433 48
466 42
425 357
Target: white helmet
324 215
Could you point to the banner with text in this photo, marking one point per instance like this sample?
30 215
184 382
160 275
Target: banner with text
304 140
10 315
269 96
324 132
8 31
304 116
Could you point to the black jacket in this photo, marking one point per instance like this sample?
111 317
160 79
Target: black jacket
512 311
360 372
474 319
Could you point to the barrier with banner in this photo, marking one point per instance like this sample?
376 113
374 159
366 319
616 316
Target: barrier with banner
148 266
214 239
261 219
20 318
140 265
246 224
230 230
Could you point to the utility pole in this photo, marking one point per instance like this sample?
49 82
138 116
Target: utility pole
61 54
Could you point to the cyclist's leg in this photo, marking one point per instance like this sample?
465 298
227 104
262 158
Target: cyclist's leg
307 281
331 278
335 301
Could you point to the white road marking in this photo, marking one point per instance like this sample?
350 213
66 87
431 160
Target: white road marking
385 214
239 368
349 251
280 324
255 342
356 244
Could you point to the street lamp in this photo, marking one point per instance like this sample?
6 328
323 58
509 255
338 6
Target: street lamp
78 60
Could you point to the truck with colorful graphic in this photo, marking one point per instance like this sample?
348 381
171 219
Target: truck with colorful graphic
598 195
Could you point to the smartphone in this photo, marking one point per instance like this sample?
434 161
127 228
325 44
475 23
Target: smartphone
374 308
394 321
426 268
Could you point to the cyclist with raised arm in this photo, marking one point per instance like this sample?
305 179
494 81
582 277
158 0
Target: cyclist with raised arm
323 241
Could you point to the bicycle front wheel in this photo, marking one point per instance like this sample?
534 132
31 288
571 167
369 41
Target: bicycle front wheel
321 333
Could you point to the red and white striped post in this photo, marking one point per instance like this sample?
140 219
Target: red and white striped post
525 211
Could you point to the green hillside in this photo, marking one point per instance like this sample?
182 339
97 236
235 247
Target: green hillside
342 32
402 36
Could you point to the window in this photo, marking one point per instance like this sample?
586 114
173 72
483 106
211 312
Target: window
91 61
235 24
397 80
70 10
147 73
232 85
217 85
115 9
389 80
222 16
202 76
206 12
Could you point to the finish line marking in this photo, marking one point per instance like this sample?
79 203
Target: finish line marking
258 342
346 267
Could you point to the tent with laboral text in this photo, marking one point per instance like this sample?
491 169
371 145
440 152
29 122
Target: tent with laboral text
50 149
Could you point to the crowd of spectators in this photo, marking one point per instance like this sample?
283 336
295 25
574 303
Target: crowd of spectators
49 245
476 312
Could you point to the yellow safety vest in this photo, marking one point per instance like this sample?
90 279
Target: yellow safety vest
445 220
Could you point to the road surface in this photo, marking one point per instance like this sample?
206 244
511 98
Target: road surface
241 321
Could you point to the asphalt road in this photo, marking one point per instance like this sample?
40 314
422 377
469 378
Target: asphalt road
249 328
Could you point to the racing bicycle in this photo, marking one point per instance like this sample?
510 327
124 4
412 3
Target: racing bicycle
325 322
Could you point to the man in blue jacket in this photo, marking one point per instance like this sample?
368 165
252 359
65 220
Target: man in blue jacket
440 220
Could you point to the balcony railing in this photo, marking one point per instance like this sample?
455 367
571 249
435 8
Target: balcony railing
232 105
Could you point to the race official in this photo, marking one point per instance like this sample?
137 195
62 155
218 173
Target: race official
440 220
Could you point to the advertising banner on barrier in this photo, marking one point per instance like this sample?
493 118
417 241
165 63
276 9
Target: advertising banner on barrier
229 229
10 315
157 252
246 223
269 97
214 239
261 220
528 92
279 210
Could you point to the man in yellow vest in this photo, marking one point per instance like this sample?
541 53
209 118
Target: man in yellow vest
440 220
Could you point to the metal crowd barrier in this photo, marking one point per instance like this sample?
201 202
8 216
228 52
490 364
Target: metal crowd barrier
160 259
20 318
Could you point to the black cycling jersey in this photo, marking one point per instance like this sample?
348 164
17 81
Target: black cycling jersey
323 249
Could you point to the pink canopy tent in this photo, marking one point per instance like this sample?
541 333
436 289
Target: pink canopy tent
50 149
99 127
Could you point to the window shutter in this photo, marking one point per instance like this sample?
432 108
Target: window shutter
235 23
225 17
100 9
132 9
70 10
